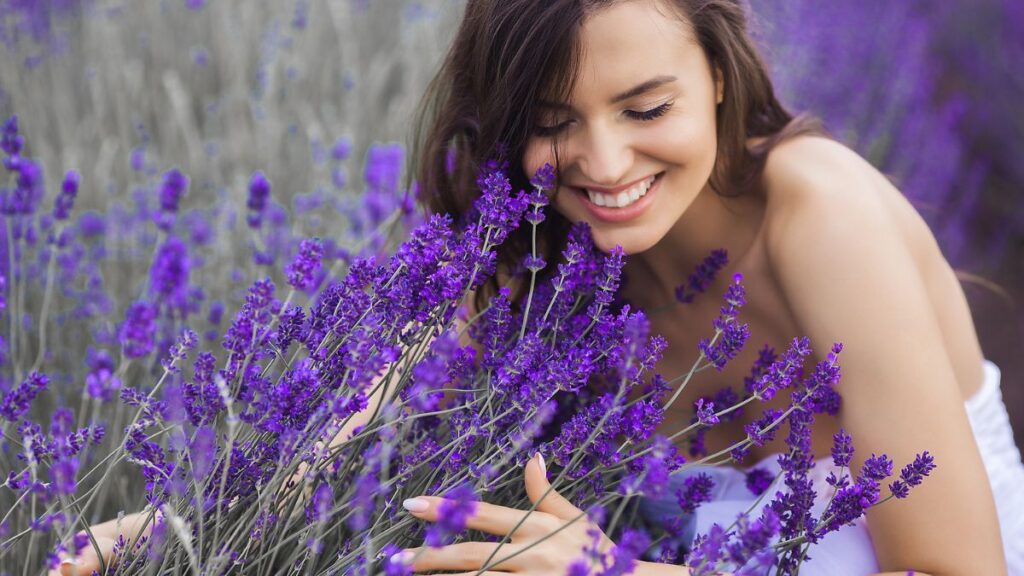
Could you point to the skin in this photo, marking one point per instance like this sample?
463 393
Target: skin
828 249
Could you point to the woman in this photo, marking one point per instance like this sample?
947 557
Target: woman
669 142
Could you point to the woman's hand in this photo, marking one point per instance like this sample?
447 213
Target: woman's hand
105 534
551 556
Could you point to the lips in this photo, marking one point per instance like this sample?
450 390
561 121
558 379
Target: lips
624 197
634 200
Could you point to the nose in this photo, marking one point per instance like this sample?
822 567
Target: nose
605 156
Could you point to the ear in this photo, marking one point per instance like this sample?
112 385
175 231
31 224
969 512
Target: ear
719 85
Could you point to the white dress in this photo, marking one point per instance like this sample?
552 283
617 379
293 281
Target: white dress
848 551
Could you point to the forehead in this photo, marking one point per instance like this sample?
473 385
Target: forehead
630 42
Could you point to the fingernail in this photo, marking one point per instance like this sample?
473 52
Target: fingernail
71 562
415 504
540 460
403 557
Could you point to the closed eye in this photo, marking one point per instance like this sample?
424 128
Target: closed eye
649 114
643 116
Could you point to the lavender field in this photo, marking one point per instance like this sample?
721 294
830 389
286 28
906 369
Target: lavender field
211 250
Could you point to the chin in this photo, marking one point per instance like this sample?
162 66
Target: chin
633 240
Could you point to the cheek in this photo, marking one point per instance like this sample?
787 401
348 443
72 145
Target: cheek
535 155
691 141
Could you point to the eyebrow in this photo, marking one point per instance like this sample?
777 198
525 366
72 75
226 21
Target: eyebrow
637 90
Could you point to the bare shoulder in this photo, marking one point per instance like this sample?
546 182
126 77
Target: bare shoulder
817 178
808 168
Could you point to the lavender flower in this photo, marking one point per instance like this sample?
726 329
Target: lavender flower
452 515
66 199
696 490
732 334
758 480
623 557
707 551
702 277
168 278
320 505
101 383
302 271
706 412
17 402
259 193
753 541
912 474
138 330
24 199
842 449
10 141
341 149
172 190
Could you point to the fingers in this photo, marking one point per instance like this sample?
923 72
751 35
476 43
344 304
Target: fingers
87 561
538 488
463 556
105 536
489 518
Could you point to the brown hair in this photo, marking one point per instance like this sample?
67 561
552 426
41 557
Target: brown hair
508 54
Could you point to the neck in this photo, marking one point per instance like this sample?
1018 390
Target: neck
711 222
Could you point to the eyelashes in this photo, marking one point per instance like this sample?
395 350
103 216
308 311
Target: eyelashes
649 114
644 116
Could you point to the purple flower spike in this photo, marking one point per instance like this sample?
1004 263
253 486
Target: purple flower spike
259 192
17 402
544 178
139 329
912 475
302 271
732 335
320 505
631 545
28 190
702 277
706 412
10 141
66 199
452 515
695 491
342 148
168 278
758 480
173 189
707 551
842 449
877 467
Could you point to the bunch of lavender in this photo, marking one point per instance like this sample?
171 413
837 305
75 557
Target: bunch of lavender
243 464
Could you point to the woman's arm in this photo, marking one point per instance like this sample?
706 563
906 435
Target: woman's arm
848 276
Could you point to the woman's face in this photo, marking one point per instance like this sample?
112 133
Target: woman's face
642 111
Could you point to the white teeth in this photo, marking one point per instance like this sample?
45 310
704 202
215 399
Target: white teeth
624 198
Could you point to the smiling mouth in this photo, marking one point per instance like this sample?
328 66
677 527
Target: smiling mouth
622 199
